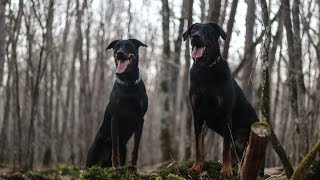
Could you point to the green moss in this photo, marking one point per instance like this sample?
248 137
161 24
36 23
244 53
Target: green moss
98 173
306 162
211 170
174 177
67 170
38 176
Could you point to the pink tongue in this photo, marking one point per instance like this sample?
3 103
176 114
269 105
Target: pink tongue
122 65
197 52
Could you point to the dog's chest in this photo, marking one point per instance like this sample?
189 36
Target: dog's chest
128 99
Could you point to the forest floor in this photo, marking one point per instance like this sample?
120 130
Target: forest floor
173 171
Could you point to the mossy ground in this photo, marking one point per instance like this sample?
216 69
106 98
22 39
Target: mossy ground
60 172
211 170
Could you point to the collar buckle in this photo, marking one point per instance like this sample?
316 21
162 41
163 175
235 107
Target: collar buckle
215 61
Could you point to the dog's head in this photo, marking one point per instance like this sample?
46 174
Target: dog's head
126 54
204 41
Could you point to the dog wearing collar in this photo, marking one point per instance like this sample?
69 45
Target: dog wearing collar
124 115
216 98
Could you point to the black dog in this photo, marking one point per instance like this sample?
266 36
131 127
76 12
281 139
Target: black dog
124 114
215 96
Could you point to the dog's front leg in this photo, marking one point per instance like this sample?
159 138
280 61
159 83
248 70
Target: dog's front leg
226 169
115 142
199 132
134 154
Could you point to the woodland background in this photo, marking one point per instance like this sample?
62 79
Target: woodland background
56 77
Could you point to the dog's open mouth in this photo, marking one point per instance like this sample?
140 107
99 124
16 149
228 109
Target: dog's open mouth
197 52
122 63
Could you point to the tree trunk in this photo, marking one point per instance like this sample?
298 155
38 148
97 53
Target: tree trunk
249 54
302 122
189 128
223 12
203 8
59 76
4 139
256 151
17 114
229 29
82 79
47 158
3 4
166 120
295 76
301 170
179 79
214 11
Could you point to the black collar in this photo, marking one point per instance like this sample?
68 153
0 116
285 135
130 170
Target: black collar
126 83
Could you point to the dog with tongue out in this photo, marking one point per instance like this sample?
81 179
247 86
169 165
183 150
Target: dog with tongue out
124 115
216 98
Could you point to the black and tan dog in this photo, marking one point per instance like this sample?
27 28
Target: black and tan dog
215 96
124 114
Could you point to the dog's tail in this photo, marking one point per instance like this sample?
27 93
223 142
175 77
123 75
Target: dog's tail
100 153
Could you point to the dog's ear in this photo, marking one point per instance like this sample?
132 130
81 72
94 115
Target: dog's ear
112 44
187 33
219 29
137 43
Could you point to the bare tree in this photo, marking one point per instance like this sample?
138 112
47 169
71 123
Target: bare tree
249 54
230 28
296 83
47 158
187 107
165 86
3 4
214 10
17 115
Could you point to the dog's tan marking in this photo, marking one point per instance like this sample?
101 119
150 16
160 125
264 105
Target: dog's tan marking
193 100
220 100
226 169
198 164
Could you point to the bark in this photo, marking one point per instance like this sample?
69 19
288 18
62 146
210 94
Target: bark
17 114
256 151
179 79
214 10
78 49
165 87
4 139
302 122
223 12
47 158
88 93
59 75
305 163
203 8
229 29
129 19
30 147
295 76
3 4
249 54
189 127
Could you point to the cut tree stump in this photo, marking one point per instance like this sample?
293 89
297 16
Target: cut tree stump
256 150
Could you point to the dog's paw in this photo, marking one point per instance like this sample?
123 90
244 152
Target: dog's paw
196 167
116 167
226 171
132 168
